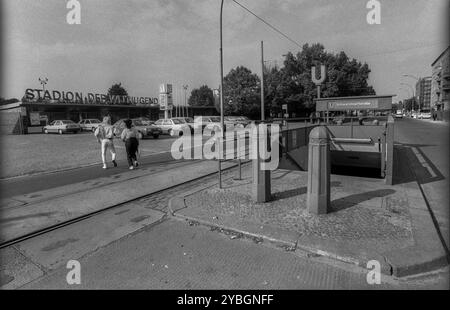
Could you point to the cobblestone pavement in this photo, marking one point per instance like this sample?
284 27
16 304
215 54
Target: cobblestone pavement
380 222
159 201
174 255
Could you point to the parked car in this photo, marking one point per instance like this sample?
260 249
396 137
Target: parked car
189 121
207 120
238 121
425 115
62 126
145 130
145 120
172 126
338 120
398 114
89 124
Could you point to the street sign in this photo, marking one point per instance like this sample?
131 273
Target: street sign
165 101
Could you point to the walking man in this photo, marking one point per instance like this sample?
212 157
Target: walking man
105 136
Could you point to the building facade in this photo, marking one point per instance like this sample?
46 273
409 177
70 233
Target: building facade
30 116
440 85
423 93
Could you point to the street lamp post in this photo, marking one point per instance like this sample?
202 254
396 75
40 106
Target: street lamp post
185 87
221 92
413 92
418 80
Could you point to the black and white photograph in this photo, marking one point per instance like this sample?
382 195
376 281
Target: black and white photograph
250 147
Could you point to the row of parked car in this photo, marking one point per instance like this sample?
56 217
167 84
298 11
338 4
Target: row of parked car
173 126
417 115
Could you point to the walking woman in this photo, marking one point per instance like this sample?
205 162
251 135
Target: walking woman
105 136
130 136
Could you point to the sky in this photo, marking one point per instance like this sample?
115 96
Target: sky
143 43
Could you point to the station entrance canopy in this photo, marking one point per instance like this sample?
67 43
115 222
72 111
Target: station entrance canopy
372 103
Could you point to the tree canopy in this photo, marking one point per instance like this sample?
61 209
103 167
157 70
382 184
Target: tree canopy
241 92
202 96
292 83
117 90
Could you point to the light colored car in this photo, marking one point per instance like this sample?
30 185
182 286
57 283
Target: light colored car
146 131
89 124
145 120
398 115
62 126
237 121
425 115
172 126
189 121
207 120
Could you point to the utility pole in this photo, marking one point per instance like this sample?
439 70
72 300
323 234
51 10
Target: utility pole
262 81
221 93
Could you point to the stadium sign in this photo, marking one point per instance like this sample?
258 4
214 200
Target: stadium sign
90 98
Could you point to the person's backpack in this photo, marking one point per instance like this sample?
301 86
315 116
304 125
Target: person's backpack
98 132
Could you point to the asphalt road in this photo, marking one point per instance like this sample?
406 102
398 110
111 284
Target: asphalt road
158 154
30 184
428 145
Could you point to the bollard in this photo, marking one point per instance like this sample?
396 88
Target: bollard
319 167
261 178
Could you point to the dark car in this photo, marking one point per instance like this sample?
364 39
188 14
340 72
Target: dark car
145 130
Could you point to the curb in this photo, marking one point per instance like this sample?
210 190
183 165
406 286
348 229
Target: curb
178 203
426 255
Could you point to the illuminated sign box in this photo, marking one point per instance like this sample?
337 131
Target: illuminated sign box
380 103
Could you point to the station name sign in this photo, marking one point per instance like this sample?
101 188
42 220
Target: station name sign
89 98
355 105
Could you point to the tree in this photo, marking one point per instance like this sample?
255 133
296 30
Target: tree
242 93
117 90
292 83
202 96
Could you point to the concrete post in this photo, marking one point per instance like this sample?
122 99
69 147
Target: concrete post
319 167
261 189
389 151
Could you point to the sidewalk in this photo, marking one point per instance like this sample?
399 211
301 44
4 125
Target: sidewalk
369 221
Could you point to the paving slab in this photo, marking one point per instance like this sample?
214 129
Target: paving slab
16 269
56 248
29 218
